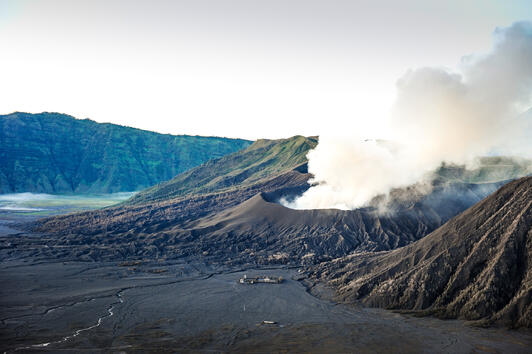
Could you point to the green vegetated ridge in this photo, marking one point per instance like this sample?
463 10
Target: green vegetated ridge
267 158
486 169
263 159
57 153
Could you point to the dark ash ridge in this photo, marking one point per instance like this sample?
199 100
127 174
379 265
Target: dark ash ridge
477 266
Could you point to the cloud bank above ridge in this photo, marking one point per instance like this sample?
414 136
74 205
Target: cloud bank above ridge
439 116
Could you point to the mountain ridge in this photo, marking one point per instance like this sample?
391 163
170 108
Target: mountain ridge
57 153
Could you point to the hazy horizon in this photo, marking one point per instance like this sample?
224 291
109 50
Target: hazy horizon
239 69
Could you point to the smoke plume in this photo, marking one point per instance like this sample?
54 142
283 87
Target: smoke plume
439 116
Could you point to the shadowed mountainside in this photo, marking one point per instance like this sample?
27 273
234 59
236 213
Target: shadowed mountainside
478 266
56 153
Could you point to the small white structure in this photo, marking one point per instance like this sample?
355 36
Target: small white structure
260 279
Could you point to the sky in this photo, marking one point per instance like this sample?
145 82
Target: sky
240 68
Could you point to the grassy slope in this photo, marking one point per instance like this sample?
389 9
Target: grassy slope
56 153
263 159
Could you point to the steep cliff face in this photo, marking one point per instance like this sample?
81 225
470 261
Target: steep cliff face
477 266
56 153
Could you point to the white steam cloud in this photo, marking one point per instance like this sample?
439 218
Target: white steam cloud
438 116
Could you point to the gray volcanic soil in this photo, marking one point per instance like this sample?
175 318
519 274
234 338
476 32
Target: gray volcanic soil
189 308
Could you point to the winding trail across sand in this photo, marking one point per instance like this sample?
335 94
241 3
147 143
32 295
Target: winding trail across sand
196 304
79 331
110 312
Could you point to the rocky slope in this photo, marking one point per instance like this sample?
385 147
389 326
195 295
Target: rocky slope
478 266
56 153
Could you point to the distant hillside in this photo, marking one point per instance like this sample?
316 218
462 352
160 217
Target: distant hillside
477 266
56 153
263 159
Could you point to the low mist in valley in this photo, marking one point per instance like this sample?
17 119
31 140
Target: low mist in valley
43 204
